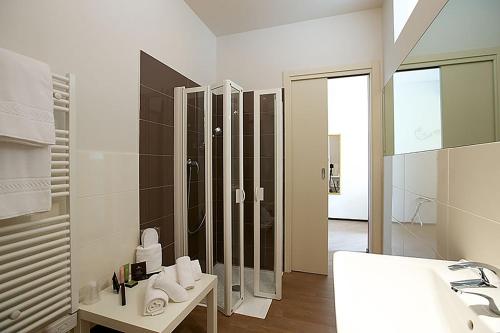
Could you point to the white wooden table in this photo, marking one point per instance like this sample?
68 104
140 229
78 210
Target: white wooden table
108 311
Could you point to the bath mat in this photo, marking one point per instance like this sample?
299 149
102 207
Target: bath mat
256 307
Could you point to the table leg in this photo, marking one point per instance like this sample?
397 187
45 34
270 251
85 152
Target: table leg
83 326
212 310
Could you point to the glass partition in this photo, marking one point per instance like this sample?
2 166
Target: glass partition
268 164
228 194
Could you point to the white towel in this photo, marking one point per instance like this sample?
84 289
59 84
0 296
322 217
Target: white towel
197 273
155 300
185 272
26 104
171 271
26 130
149 237
151 255
174 290
24 179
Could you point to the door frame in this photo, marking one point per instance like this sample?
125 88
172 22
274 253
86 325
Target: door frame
375 158
278 193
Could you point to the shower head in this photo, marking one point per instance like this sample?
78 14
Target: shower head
217 131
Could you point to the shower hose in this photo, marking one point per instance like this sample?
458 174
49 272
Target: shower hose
202 223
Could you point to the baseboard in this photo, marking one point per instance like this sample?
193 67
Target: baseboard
341 219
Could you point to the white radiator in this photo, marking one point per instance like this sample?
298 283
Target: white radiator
37 272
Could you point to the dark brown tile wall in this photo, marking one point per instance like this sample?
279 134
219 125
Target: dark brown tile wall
156 149
196 152
218 200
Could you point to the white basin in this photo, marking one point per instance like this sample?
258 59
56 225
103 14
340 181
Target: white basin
379 293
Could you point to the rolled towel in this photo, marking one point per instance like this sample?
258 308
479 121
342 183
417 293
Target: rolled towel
185 272
174 290
197 273
151 255
155 300
171 271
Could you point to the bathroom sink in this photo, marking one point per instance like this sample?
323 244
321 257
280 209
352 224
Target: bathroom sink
390 294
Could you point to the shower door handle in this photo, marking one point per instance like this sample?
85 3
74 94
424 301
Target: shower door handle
259 194
240 195
323 173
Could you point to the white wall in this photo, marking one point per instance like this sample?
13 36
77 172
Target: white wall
257 59
99 41
348 105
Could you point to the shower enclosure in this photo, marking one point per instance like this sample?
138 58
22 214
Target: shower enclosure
209 184
209 196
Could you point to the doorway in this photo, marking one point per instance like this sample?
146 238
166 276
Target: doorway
307 169
348 149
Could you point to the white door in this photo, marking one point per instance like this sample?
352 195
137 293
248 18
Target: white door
268 193
309 181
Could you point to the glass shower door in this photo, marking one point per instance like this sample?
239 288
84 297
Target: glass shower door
198 179
234 196
227 129
268 186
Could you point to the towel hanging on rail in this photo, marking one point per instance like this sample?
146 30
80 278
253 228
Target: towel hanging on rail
26 131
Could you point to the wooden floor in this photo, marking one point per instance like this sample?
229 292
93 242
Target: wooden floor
307 306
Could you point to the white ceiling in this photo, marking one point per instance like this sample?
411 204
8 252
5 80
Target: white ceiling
226 17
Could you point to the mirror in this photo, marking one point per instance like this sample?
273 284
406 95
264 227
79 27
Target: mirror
334 164
445 94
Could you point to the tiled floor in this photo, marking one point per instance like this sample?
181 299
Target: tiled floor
347 235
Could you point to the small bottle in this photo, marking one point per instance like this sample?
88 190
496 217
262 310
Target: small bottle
331 182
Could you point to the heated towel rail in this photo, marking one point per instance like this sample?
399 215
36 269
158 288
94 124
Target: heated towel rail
37 269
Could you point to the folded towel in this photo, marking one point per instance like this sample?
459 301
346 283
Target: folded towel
197 273
185 272
26 104
155 300
26 130
151 255
24 179
149 237
174 290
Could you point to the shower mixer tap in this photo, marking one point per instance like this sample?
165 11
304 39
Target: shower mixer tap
193 163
